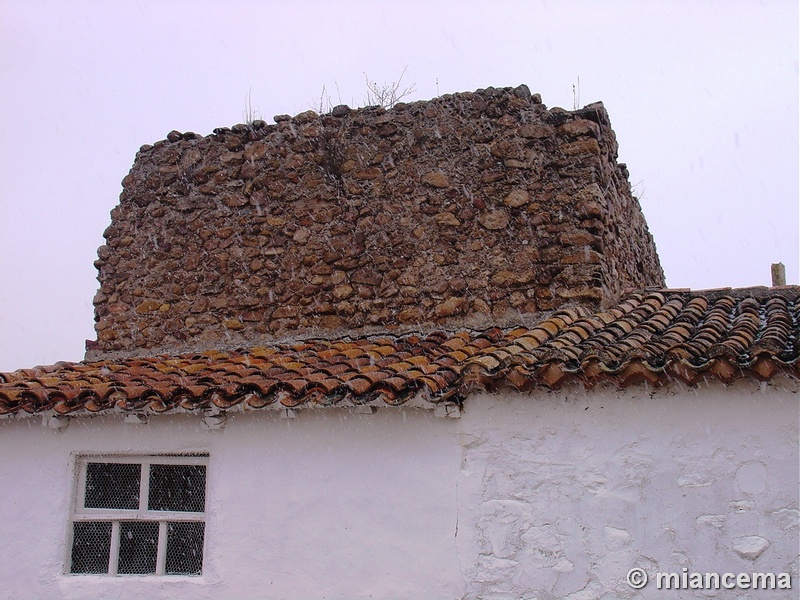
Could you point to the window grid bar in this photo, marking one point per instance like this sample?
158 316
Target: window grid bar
144 488
80 500
166 459
113 559
161 554
101 515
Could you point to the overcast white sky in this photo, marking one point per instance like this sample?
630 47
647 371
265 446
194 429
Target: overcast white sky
703 97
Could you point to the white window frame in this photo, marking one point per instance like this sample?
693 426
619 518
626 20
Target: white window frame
142 513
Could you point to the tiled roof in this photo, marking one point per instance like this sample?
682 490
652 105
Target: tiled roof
655 337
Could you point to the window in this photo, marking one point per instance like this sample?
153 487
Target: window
139 515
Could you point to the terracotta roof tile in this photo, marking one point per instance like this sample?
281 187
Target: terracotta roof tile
652 337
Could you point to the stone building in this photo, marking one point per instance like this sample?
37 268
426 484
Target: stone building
418 352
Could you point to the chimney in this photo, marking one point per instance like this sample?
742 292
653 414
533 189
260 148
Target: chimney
778 274
466 210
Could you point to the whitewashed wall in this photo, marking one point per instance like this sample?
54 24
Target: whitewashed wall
525 496
560 496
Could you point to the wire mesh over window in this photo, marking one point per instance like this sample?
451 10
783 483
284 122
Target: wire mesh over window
112 485
179 488
138 548
140 517
91 547
185 548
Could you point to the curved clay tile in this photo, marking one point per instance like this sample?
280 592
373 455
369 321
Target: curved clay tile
653 337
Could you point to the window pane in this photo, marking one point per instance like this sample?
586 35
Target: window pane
112 485
138 547
91 546
185 548
177 488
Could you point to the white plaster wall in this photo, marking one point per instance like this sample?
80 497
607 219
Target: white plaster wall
548 495
330 505
561 494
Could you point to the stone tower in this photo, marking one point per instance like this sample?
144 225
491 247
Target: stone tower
468 209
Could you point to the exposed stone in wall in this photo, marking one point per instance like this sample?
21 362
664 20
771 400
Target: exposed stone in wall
469 207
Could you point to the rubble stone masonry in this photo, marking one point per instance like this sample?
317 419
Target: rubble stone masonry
468 209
